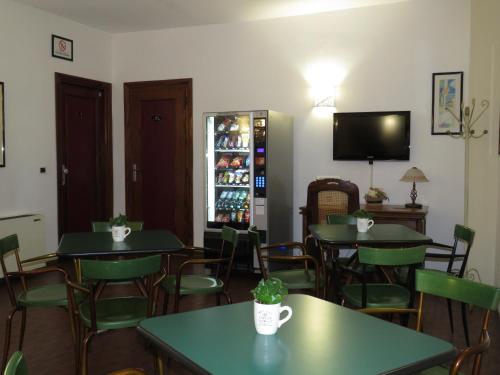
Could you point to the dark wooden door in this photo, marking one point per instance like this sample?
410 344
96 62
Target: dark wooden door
158 155
84 154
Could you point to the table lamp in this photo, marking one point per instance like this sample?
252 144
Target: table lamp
414 175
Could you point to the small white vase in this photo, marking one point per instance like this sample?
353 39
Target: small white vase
267 317
119 233
364 224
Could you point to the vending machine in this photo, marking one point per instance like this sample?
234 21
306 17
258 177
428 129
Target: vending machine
249 177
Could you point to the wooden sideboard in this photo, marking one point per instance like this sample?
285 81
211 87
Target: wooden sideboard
413 218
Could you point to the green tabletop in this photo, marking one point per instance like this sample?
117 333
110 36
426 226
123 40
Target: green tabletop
320 338
378 234
101 243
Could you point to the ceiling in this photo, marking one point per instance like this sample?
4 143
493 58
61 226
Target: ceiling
118 16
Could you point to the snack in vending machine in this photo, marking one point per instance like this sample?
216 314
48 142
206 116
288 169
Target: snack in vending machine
247 216
220 178
245 179
237 179
233 216
223 162
239 216
237 162
225 218
245 139
231 178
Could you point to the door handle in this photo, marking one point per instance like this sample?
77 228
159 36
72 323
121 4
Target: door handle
64 172
135 171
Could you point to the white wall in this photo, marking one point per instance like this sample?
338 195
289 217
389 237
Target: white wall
484 163
388 53
27 68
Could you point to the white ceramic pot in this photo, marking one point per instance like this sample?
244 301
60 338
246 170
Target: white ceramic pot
364 225
267 317
119 233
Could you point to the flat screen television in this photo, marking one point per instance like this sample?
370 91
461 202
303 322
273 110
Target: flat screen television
371 136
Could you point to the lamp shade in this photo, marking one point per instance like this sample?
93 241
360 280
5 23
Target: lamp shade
414 175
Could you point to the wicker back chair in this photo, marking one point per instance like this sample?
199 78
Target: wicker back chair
328 196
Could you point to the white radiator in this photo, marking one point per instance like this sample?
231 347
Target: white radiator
30 230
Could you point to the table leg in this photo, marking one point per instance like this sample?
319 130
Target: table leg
78 270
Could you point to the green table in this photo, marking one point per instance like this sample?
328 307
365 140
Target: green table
321 338
378 235
91 244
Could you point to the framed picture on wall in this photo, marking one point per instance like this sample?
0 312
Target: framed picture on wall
447 90
62 48
2 127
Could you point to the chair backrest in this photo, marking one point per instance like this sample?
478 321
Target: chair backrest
465 235
341 219
16 365
104 226
329 196
229 238
466 291
443 285
391 257
120 269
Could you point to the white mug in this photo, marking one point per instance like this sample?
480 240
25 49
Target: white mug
119 233
364 225
267 317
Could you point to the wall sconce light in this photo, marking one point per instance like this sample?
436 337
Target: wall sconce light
324 97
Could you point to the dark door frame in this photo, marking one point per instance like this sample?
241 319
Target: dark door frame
105 143
188 136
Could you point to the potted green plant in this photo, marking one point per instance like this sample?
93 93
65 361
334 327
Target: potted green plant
364 220
119 229
267 306
375 195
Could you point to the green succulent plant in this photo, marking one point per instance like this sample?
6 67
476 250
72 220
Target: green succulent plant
362 214
270 291
118 221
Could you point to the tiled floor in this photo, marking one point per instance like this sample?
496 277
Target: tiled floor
48 346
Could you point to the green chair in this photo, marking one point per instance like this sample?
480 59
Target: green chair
104 226
306 277
16 365
102 314
50 295
181 284
384 297
465 291
463 236
341 219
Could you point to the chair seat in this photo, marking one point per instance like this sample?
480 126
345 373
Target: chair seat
296 279
378 295
194 284
116 313
46 296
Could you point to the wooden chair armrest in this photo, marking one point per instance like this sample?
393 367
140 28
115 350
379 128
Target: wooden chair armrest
201 250
290 258
163 274
37 271
470 351
288 245
78 287
200 261
39 258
